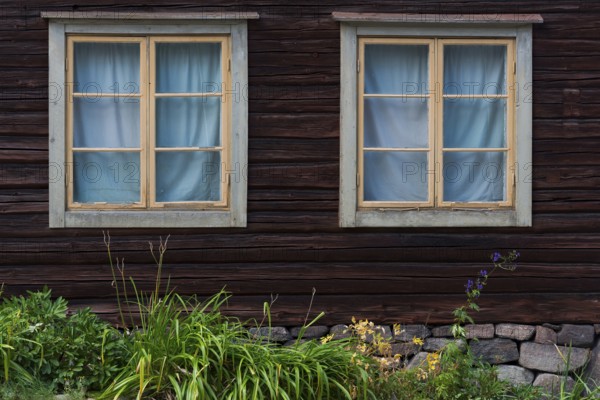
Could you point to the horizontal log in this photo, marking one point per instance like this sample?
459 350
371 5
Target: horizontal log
563 177
295 150
566 129
566 201
359 279
303 125
403 309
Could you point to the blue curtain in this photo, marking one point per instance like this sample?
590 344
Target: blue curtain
114 122
188 122
106 122
401 123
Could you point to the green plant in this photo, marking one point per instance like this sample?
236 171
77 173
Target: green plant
40 342
186 349
473 290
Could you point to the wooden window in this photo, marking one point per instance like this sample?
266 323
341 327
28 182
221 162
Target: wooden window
148 122
148 119
435 122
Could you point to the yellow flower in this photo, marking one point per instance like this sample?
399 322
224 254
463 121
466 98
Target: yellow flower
326 339
417 341
397 330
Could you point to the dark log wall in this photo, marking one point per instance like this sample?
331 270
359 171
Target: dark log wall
293 243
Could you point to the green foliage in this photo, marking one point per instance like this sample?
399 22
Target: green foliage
186 349
41 343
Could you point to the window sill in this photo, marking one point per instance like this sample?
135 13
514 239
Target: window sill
150 219
435 218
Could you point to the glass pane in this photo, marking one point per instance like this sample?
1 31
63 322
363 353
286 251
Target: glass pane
188 176
395 176
395 122
474 123
396 69
474 69
474 176
106 122
106 68
188 67
188 121
111 177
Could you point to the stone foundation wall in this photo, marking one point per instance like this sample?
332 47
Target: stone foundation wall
525 354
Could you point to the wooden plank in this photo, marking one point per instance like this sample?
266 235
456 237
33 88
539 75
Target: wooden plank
408 309
510 19
297 125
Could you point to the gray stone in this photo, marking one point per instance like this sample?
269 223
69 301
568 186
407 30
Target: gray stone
311 332
419 360
554 327
277 334
442 331
515 375
408 332
597 329
495 351
480 331
552 358
551 384
436 344
383 331
544 335
340 331
405 349
576 335
592 372
515 331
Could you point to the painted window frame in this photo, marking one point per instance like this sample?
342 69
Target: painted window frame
353 27
232 26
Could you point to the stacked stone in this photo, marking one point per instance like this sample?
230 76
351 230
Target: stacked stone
524 354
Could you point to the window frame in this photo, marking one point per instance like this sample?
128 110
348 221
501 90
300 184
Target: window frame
353 27
233 26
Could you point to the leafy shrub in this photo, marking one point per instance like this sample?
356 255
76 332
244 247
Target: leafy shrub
186 349
42 343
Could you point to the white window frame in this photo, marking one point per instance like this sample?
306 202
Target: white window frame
356 25
62 24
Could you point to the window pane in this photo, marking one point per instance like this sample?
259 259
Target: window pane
106 122
188 176
106 68
474 176
111 177
474 123
188 121
395 176
396 69
395 122
474 69
188 67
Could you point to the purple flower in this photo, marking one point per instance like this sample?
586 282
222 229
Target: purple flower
479 285
483 273
496 257
469 286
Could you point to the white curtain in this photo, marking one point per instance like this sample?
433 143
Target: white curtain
113 122
106 122
401 123
471 122
188 121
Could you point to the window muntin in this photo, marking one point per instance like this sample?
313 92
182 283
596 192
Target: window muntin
435 123
154 131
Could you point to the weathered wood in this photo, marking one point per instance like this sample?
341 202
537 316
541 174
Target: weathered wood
293 242
291 310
